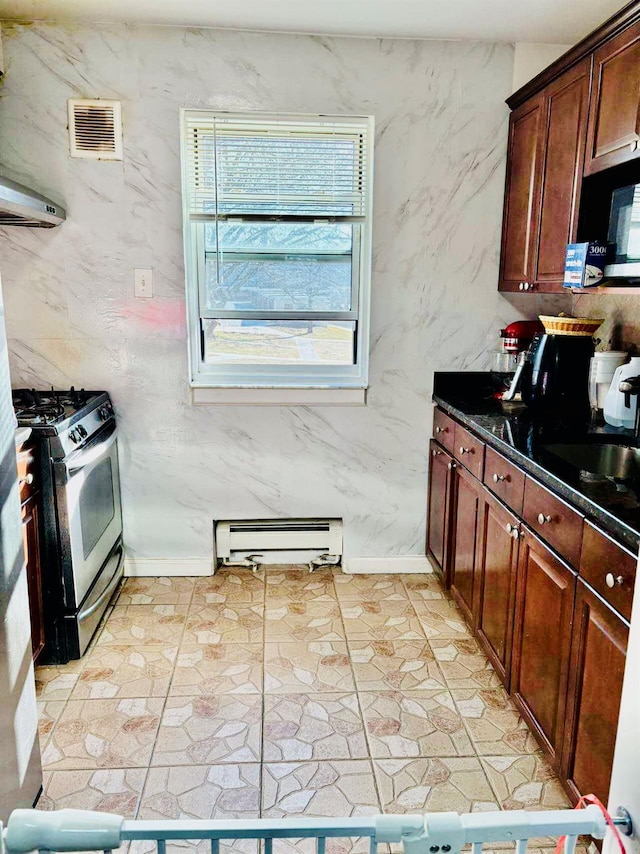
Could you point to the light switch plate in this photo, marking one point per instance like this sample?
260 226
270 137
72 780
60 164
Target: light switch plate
143 282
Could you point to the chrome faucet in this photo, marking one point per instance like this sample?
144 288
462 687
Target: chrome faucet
628 387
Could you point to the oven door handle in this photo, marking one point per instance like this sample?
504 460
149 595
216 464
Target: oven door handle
92 453
106 593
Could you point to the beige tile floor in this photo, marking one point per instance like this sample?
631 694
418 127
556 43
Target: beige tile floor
285 693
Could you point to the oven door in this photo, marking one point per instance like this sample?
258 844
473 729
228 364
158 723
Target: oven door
89 511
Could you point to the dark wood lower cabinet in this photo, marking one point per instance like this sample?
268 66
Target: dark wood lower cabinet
465 513
542 640
598 653
438 507
497 570
31 545
551 633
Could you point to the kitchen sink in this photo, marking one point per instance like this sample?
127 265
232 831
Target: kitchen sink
606 460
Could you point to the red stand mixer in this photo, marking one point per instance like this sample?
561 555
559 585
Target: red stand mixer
514 339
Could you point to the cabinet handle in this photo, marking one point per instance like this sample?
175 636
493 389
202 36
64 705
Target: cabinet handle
441 429
497 478
436 453
451 466
542 518
520 286
612 580
465 450
512 530
28 480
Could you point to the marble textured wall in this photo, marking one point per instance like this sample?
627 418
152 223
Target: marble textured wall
71 314
621 315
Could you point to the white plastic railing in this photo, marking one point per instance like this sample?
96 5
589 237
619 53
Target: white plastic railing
433 833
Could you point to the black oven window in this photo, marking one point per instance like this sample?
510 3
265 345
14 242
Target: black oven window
97 507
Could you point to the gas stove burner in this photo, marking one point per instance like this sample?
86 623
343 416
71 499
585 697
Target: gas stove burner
43 414
51 407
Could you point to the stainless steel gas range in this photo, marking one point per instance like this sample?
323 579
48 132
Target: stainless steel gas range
82 555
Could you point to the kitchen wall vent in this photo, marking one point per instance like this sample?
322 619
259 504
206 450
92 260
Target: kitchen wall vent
235 539
95 129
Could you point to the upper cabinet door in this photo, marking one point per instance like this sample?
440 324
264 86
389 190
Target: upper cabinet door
615 98
519 227
565 109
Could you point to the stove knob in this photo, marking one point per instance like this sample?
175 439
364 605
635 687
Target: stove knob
73 435
82 432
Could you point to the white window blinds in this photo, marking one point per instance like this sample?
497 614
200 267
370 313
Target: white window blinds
280 169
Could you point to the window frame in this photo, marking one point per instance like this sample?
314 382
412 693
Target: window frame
265 376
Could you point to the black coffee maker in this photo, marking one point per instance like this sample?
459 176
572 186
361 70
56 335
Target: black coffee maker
556 375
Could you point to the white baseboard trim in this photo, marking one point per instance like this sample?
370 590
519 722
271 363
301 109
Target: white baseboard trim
160 566
387 565
196 566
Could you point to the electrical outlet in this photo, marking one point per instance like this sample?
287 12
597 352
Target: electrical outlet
143 282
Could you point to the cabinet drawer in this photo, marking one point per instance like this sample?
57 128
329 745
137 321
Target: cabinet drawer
556 522
26 474
603 558
444 429
469 451
504 479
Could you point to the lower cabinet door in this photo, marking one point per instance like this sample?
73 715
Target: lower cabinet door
497 569
465 509
598 654
545 593
31 545
438 507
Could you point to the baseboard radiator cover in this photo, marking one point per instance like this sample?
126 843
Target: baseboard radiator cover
278 540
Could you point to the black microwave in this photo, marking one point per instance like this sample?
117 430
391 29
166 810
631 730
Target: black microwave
624 233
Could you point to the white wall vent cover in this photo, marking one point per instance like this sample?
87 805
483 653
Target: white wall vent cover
95 129
258 535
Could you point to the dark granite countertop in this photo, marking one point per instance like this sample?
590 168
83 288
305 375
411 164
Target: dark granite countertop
523 435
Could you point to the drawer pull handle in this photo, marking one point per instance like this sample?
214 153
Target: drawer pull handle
436 453
465 450
451 466
498 478
542 518
441 429
27 479
612 580
513 530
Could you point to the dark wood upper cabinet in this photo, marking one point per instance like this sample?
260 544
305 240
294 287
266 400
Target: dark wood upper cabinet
544 175
542 640
598 654
566 102
519 225
438 507
613 131
497 569
465 510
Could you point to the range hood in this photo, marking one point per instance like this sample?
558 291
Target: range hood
21 206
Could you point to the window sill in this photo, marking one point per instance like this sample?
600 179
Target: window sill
209 396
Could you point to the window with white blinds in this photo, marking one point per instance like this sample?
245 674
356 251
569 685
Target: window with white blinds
277 218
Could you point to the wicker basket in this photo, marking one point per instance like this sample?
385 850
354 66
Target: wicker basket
569 325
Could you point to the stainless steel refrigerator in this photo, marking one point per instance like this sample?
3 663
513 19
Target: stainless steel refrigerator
20 768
